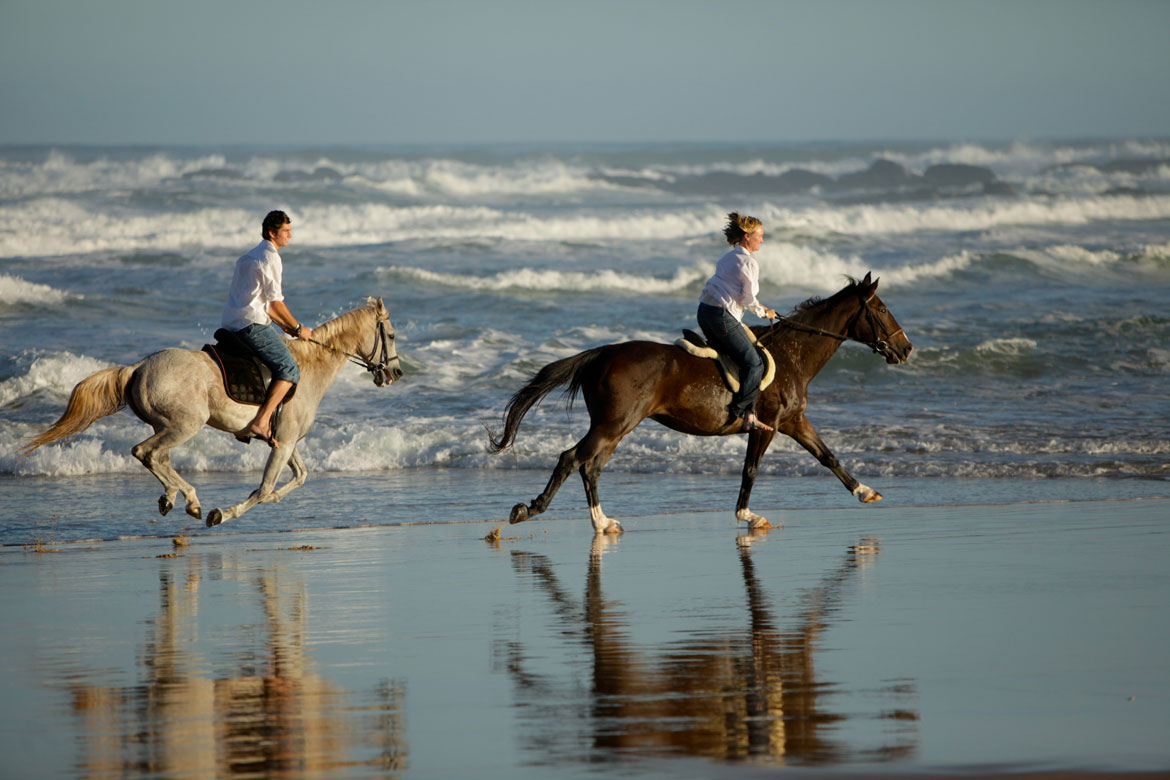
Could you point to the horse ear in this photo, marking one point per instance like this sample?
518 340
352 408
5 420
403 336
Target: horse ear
870 283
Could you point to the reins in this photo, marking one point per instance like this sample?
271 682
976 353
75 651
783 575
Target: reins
367 362
880 346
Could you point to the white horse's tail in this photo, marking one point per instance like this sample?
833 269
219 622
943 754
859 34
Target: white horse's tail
97 396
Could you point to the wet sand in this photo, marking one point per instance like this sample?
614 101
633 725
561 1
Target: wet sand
1018 639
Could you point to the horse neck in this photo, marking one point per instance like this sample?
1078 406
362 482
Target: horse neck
832 315
341 335
345 332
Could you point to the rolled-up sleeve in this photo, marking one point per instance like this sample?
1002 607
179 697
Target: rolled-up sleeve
270 280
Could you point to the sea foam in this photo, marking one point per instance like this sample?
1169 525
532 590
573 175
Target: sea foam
14 290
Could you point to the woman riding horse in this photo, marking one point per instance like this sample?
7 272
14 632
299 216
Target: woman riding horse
728 293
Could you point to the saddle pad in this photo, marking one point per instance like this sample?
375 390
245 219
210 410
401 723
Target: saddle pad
242 378
727 366
245 378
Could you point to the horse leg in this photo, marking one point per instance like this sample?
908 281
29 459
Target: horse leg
300 474
590 471
590 454
758 441
568 461
803 432
278 458
155 454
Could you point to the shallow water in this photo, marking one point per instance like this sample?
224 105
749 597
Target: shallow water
994 638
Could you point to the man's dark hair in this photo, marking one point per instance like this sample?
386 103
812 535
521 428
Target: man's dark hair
274 221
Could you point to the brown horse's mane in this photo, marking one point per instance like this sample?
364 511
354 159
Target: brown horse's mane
814 302
326 333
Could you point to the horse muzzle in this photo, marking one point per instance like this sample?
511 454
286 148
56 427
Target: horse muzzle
894 354
386 376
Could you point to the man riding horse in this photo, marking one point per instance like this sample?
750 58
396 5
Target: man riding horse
255 302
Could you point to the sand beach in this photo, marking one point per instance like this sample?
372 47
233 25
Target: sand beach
999 639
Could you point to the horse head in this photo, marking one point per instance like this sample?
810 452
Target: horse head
378 353
876 326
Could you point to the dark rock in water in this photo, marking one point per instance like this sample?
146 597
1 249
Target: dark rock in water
622 180
1133 166
716 183
800 180
1132 192
883 174
1136 167
757 184
998 187
213 173
320 174
954 175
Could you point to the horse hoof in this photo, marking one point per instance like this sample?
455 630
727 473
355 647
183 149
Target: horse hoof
165 505
214 518
519 514
866 495
195 511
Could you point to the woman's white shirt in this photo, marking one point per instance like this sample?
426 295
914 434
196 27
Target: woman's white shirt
735 285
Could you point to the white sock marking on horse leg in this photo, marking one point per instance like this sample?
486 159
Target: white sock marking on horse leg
753 520
601 523
866 494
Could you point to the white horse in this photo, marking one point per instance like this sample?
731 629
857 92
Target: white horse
178 391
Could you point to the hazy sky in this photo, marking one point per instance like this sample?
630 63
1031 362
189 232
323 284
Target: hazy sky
349 71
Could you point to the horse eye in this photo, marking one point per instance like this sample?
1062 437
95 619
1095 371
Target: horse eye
884 310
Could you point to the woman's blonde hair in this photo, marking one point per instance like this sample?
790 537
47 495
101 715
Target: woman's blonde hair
740 225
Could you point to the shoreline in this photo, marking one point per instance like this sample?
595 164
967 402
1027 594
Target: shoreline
551 518
1005 640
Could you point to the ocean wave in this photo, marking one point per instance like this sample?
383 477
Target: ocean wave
545 172
53 226
556 281
56 226
449 442
870 220
14 290
61 174
56 373
1011 347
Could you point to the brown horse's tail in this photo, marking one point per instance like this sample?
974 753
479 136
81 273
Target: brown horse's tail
95 397
546 380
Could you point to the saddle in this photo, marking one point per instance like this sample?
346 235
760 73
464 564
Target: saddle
696 345
245 378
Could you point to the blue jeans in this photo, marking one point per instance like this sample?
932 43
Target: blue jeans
727 335
266 341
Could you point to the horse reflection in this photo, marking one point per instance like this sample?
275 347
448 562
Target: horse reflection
274 717
753 695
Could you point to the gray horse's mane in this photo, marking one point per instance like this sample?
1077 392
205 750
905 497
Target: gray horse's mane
327 331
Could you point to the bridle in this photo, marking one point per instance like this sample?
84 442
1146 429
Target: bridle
379 358
881 346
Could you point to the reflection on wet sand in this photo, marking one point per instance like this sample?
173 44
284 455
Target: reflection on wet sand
743 694
264 712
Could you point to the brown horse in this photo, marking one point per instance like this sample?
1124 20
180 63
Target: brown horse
625 383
